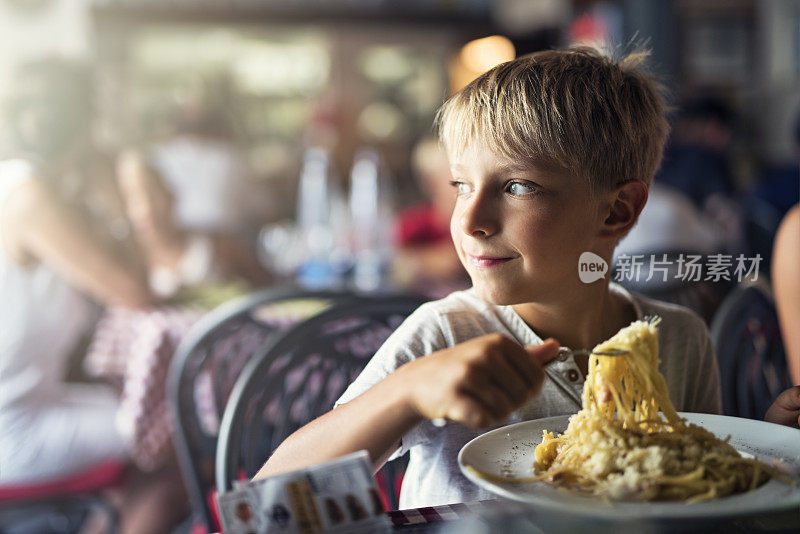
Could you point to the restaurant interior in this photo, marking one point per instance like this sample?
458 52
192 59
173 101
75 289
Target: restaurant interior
243 199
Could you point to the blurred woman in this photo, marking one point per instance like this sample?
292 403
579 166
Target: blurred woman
53 263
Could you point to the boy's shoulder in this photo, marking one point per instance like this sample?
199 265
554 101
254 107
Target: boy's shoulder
464 304
460 316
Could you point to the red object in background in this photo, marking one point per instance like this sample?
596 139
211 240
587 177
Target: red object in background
587 29
103 475
418 225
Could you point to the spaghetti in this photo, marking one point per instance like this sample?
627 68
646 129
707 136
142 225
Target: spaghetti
628 442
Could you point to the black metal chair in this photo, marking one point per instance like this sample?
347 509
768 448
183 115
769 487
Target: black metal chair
298 378
746 335
205 367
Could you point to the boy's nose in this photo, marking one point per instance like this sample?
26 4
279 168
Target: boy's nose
478 217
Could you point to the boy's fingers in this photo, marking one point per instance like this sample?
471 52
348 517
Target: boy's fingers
520 361
520 358
493 400
472 412
506 377
544 353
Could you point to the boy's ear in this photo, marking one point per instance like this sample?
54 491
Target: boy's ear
626 203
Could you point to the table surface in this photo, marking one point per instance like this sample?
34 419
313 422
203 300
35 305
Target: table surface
485 517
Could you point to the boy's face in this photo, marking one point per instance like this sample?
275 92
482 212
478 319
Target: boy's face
518 231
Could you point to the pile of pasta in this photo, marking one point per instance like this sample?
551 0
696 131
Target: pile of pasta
628 442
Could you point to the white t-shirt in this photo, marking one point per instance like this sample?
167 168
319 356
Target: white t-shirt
432 478
209 181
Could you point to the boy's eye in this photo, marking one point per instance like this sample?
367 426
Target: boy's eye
461 187
520 189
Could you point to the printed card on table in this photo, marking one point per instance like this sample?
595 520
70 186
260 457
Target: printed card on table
337 496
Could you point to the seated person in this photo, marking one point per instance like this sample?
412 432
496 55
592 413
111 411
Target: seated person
425 259
696 160
671 224
697 164
177 257
551 156
53 264
206 172
213 195
779 183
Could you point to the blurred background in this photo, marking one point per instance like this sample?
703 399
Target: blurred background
161 157
263 81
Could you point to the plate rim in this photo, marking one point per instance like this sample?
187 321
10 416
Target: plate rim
609 510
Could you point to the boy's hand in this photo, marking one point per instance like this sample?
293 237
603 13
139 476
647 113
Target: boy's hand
786 408
479 382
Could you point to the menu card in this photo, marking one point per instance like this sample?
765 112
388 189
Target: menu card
335 496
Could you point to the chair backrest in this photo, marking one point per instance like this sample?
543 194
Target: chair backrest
206 365
746 335
298 378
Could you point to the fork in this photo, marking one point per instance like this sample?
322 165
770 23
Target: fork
563 354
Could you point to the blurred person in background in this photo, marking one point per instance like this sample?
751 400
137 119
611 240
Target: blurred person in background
54 261
178 257
215 199
426 259
692 209
672 227
767 202
779 184
697 164
696 161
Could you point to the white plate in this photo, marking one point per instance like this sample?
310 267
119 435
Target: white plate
509 451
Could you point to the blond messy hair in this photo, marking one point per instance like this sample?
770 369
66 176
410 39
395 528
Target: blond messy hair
575 111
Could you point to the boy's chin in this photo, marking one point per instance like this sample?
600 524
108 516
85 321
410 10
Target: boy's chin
498 296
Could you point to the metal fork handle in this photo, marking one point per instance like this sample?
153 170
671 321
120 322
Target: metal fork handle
564 352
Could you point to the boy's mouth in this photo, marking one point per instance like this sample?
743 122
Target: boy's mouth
487 261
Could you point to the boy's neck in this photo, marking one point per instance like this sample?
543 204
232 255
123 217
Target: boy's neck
582 320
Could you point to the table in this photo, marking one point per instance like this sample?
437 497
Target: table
442 518
485 517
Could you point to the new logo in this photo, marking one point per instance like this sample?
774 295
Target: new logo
591 267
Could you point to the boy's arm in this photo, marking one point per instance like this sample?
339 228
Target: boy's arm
476 383
375 421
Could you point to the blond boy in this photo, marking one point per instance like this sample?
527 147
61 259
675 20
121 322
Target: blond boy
551 157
